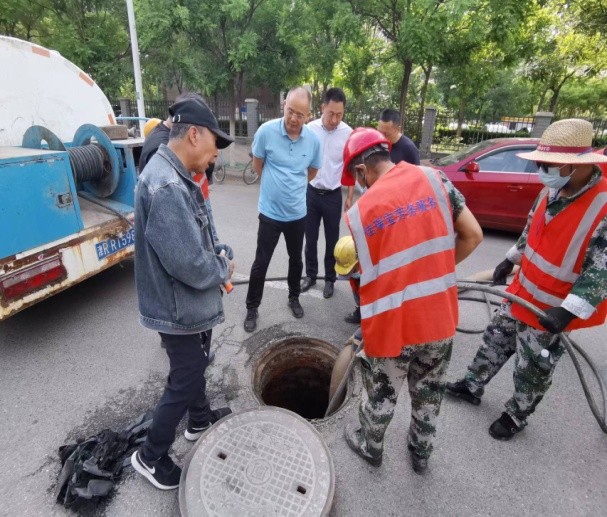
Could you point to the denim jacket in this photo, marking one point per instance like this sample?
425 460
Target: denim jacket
177 273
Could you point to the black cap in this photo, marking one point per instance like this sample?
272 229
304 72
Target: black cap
197 112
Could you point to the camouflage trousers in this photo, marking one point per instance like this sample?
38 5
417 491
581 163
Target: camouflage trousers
424 367
506 336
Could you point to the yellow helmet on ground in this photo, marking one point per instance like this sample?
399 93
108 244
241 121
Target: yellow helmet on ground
149 125
345 255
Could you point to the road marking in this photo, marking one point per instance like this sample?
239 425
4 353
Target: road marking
283 286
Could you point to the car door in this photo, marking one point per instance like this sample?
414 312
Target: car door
499 194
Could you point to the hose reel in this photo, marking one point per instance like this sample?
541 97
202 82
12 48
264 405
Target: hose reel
92 157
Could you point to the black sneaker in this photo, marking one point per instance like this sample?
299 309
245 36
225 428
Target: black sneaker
504 428
460 389
354 317
419 464
162 473
352 436
194 431
296 307
250 322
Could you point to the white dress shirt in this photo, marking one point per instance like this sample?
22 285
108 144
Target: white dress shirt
332 142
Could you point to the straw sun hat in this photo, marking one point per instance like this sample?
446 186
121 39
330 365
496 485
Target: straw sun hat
567 141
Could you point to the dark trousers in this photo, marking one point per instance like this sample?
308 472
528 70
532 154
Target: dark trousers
326 206
267 238
185 391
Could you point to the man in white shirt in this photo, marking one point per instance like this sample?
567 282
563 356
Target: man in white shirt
324 198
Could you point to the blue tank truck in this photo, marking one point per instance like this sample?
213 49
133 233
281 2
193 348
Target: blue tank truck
66 211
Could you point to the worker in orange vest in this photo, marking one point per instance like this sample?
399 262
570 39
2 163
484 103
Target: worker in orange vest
410 229
563 271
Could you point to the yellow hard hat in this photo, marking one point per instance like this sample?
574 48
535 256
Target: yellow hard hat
345 255
149 125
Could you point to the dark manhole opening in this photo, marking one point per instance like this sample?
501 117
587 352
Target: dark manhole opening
295 374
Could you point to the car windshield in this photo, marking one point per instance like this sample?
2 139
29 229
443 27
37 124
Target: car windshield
464 153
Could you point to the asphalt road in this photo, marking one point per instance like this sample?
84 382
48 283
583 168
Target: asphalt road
80 362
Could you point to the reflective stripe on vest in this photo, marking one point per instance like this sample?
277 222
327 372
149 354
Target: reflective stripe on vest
566 271
411 292
371 272
537 293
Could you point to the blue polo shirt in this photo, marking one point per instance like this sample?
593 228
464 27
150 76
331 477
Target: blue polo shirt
284 177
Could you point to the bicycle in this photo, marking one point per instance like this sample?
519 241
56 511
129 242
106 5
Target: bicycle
249 175
219 172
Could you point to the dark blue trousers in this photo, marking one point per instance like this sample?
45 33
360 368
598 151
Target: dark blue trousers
185 391
326 206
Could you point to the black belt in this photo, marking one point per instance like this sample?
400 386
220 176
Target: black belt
322 191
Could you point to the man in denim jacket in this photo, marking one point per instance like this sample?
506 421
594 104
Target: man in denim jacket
178 272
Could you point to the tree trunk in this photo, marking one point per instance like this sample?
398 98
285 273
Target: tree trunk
404 87
540 106
422 102
239 83
460 118
232 108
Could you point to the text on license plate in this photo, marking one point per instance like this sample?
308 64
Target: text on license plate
114 245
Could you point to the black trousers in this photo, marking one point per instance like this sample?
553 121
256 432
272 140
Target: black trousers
325 206
185 391
267 238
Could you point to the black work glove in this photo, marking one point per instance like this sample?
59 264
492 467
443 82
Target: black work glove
503 269
224 247
556 319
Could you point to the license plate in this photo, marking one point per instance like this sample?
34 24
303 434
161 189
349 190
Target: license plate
115 244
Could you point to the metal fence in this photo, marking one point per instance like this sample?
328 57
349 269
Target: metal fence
599 126
369 118
449 136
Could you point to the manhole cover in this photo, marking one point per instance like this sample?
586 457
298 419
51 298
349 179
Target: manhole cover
259 463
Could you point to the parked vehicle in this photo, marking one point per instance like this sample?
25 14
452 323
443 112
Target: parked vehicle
67 179
499 187
497 127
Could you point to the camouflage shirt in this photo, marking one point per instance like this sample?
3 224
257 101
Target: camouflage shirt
457 199
590 289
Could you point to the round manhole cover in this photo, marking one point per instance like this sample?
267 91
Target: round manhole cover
261 462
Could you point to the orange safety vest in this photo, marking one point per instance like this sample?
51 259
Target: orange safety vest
554 255
403 231
202 180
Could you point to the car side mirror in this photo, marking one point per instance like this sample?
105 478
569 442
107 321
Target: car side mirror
472 167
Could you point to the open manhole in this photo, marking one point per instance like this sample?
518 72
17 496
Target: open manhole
295 374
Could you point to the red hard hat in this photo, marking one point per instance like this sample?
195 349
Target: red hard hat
360 140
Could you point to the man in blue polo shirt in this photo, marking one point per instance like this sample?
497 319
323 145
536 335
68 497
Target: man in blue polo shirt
287 155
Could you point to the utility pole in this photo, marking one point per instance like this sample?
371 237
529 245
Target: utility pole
136 64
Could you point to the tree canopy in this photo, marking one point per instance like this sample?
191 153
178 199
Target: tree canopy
491 57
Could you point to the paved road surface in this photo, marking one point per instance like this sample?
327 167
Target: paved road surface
80 362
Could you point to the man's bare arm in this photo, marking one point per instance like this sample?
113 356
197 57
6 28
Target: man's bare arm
258 165
312 173
469 235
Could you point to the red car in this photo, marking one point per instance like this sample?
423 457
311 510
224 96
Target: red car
499 187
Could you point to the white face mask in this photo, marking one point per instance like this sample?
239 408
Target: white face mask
360 189
551 176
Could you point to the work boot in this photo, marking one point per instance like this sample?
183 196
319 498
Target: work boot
306 283
460 389
504 428
250 322
194 431
328 290
296 307
419 464
354 317
352 434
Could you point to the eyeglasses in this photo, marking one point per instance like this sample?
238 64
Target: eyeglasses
299 116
